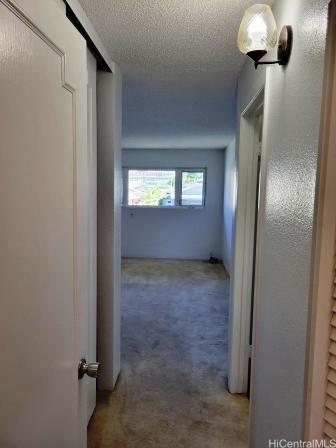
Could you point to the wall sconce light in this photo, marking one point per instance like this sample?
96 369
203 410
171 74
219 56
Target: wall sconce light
258 34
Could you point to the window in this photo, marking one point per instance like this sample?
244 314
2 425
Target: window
155 187
151 188
192 188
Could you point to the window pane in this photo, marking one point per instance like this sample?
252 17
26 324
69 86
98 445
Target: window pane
151 188
192 188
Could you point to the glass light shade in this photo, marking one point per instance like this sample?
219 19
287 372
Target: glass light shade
258 30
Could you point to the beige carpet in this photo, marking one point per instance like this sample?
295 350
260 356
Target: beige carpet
171 392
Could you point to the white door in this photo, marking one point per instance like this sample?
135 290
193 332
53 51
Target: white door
43 226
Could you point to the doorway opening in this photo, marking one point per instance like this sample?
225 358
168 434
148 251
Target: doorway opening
172 390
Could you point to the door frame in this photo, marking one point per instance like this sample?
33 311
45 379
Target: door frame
243 243
109 130
92 221
322 276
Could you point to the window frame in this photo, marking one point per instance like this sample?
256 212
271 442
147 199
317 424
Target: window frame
178 187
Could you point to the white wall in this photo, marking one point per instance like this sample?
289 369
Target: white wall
229 203
290 144
109 87
171 233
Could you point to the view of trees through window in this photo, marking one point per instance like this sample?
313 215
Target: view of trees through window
151 188
157 188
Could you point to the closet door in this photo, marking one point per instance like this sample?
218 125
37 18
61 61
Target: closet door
43 226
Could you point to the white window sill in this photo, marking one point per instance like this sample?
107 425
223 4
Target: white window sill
163 207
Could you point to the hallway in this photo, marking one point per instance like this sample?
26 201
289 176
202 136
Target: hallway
171 392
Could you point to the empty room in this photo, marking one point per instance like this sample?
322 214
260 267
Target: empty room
174 302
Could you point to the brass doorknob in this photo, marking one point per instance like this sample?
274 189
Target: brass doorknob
90 369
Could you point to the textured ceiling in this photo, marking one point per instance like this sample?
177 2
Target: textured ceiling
180 64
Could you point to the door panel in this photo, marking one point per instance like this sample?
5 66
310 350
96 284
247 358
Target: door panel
43 263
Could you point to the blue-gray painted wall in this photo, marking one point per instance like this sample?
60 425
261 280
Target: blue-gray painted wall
171 233
229 206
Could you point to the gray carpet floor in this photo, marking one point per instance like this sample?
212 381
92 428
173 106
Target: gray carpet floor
172 391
